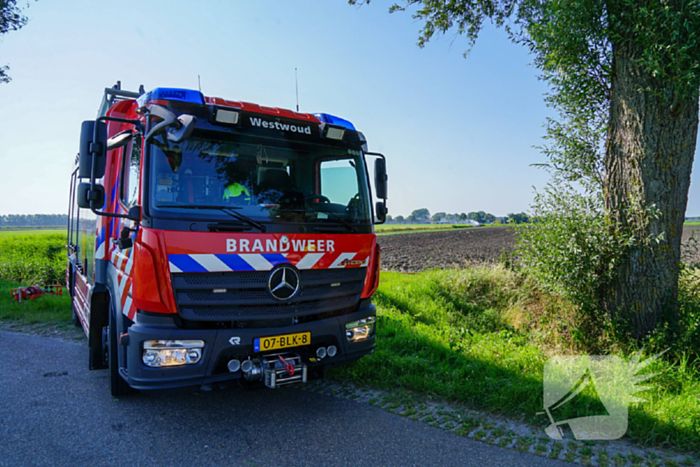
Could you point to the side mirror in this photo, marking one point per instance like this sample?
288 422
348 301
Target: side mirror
167 117
91 145
380 178
381 211
134 213
176 128
91 198
178 135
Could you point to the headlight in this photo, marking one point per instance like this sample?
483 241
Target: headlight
360 330
172 353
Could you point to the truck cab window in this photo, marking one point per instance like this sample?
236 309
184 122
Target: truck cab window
338 180
131 173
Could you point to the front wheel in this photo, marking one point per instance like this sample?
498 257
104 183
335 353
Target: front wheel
117 385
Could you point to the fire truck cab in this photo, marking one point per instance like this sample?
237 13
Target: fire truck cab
212 240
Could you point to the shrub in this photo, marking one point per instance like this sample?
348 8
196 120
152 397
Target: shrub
570 252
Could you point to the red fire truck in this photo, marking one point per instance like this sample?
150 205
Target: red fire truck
213 240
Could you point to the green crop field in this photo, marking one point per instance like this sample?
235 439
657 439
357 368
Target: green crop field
4 232
33 258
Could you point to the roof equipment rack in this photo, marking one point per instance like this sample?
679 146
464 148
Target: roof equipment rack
115 94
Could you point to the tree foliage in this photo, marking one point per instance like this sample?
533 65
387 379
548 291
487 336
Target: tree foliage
34 220
624 77
421 214
518 218
438 216
11 19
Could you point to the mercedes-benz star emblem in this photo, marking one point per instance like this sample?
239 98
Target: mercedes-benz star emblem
284 283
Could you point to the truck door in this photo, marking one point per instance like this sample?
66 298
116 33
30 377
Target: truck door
129 196
81 256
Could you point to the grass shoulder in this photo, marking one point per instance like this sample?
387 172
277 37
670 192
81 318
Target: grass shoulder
482 336
47 308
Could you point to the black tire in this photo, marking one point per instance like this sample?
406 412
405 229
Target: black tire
118 387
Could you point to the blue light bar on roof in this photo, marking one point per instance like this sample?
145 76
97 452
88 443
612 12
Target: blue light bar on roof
335 121
171 94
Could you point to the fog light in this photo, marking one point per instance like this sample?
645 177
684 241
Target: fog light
360 330
234 365
172 353
321 352
332 351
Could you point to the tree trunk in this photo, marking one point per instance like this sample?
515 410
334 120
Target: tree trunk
649 157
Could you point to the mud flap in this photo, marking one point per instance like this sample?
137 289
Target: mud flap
99 318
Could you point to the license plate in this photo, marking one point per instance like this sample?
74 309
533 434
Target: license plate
263 344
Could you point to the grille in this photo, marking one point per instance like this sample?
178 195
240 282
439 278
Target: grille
245 295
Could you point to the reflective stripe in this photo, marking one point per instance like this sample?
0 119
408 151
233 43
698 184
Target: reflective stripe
309 261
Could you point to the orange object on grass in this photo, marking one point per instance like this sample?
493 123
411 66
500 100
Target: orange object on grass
21 294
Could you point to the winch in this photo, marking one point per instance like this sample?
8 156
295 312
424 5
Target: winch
277 369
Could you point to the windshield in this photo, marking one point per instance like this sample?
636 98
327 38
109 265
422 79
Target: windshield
290 182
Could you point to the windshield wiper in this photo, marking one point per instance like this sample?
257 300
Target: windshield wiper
230 210
333 215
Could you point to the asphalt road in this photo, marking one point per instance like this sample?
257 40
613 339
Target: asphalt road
53 411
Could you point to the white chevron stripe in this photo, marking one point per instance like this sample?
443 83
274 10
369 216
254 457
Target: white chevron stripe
127 306
309 261
129 263
258 262
174 268
341 258
120 263
100 251
211 263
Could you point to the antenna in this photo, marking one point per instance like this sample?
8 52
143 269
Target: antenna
199 81
296 82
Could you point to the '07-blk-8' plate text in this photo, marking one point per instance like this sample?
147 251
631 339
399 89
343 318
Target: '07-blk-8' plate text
284 341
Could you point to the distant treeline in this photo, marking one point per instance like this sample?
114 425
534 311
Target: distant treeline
34 220
423 216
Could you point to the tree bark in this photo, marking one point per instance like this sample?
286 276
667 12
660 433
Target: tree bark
649 156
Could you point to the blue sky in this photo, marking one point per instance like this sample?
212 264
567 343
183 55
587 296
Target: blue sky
458 133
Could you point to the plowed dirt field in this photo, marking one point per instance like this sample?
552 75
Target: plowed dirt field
413 252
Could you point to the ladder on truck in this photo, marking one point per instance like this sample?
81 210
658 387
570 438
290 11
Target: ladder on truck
115 94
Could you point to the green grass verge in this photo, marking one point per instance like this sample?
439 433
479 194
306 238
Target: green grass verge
44 309
480 336
692 223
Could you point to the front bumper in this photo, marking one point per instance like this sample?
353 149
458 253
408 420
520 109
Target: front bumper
222 345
